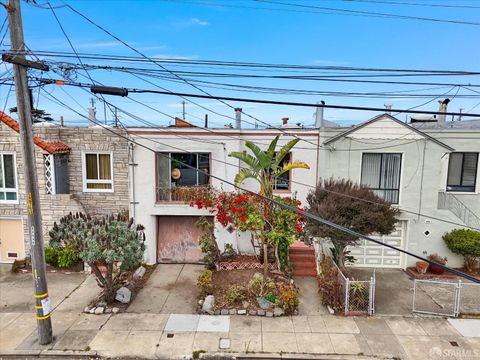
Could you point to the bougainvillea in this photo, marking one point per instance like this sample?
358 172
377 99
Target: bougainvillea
244 211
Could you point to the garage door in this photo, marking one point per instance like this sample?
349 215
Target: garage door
177 239
11 240
370 254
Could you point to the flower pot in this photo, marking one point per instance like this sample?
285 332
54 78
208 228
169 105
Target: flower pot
421 267
435 269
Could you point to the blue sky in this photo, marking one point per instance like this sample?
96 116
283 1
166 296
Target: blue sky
194 30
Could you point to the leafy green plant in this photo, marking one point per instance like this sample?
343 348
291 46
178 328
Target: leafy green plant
208 243
330 288
229 251
288 298
106 240
236 293
67 256
270 296
204 282
51 256
260 285
465 242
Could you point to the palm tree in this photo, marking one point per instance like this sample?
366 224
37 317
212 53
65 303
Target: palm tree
266 167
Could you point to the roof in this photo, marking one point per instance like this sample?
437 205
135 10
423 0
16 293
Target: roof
381 116
50 147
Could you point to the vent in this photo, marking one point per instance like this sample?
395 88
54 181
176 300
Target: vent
12 255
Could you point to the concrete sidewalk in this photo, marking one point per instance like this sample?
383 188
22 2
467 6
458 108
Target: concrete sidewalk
165 336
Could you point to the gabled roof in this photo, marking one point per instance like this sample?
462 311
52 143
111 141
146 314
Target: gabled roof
390 117
50 147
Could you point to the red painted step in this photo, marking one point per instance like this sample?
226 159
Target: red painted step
302 258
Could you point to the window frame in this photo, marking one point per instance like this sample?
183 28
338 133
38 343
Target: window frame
15 174
289 172
458 188
86 181
381 162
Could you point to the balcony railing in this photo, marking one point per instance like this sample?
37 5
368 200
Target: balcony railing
451 202
182 194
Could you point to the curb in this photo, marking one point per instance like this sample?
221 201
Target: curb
69 354
285 356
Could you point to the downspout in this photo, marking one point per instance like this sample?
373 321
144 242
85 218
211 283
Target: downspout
421 180
317 175
320 124
132 165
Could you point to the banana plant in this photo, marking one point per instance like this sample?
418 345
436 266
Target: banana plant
266 167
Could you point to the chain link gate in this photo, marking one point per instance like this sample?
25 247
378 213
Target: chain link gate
446 298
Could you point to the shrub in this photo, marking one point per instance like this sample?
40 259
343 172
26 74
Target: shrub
67 256
464 242
236 293
260 285
330 288
204 282
437 258
208 243
51 256
271 297
288 298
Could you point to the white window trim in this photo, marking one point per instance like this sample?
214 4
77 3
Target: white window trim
84 172
477 182
400 192
16 178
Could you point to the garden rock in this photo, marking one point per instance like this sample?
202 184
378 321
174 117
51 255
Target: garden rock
108 310
102 303
224 312
245 304
261 312
277 311
123 295
264 303
99 310
241 312
269 314
138 274
232 311
217 312
92 310
86 310
208 304
115 310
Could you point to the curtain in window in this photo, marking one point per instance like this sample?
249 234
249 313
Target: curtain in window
371 170
470 161
105 166
98 168
92 168
390 179
455 169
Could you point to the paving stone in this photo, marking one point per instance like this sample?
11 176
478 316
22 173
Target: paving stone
224 312
109 340
281 324
245 342
212 323
208 341
261 312
180 345
269 314
182 322
343 325
245 324
88 322
466 327
141 342
241 312
385 345
372 325
252 312
432 326
403 326
75 340
232 311
345 344
314 343
300 324
317 324
279 342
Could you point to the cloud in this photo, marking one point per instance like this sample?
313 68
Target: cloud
196 21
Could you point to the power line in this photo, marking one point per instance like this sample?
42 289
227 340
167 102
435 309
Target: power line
299 212
414 4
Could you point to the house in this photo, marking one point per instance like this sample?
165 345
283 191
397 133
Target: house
78 170
158 177
428 168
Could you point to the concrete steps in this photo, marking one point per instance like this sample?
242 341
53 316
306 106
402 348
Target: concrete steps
302 259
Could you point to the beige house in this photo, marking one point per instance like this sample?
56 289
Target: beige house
78 169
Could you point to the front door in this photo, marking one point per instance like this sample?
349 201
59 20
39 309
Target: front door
11 240
177 239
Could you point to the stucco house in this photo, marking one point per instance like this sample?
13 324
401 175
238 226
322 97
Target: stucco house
78 169
427 168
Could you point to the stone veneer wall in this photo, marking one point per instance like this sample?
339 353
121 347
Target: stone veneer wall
53 207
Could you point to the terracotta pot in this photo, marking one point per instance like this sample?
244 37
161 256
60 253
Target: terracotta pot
421 267
437 270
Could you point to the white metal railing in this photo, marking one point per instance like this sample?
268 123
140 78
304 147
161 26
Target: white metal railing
450 202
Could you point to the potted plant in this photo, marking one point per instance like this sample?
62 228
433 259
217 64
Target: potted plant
421 267
434 268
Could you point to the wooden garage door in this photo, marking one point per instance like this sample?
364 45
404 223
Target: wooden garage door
11 240
177 239
370 254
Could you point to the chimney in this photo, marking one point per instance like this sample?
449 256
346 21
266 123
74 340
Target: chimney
319 115
285 120
238 118
61 121
92 117
442 110
388 107
206 121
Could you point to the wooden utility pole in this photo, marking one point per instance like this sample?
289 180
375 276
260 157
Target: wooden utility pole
42 300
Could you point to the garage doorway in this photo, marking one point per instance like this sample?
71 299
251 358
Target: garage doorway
12 246
177 239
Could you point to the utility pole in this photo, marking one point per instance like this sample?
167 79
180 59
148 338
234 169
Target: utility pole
42 300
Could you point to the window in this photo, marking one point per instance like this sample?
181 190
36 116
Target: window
8 180
174 170
381 172
283 181
56 173
97 172
462 171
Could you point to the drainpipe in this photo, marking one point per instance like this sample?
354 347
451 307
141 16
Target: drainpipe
320 125
132 165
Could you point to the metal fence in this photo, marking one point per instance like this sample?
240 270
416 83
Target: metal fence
446 298
359 294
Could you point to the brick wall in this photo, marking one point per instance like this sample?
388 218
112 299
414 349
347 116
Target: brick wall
53 207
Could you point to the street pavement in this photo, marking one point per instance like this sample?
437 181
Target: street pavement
160 324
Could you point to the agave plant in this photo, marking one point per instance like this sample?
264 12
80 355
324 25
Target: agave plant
266 167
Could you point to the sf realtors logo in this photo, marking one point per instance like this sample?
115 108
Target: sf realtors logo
437 353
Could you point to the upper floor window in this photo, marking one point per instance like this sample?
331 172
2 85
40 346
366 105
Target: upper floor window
381 172
97 171
283 181
462 171
8 179
177 171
